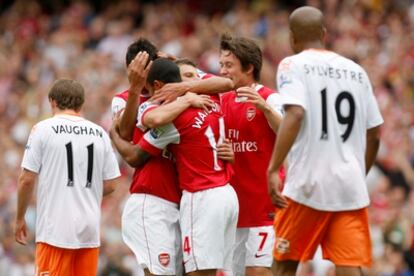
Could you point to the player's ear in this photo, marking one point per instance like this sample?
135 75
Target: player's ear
250 69
324 35
52 103
158 84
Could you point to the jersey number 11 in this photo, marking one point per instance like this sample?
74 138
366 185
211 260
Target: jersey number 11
69 156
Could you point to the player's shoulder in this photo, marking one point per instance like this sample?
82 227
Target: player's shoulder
42 125
203 75
121 95
265 91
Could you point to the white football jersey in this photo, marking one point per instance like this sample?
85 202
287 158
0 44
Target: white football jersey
326 165
72 157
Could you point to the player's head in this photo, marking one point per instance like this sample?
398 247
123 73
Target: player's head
67 94
240 60
162 71
306 28
188 69
141 45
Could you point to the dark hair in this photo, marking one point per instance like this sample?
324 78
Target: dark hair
185 61
142 44
68 94
246 50
164 70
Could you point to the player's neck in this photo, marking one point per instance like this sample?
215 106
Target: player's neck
248 82
313 45
67 112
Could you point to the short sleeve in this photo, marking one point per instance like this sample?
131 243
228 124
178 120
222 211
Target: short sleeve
157 139
32 158
142 110
374 117
274 100
203 75
116 105
111 167
290 84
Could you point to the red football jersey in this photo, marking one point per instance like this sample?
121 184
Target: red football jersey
253 142
148 179
193 137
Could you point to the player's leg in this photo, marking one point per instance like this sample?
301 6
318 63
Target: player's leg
299 231
51 260
150 229
348 271
284 268
206 272
208 222
259 257
239 257
347 243
86 261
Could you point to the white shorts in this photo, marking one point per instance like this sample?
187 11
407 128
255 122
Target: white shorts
150 229
208 222
254 247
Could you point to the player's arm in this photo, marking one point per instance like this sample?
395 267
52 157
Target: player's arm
165 114
137 74
225 151
371 151
272 117
26 184
110 186
132 154
212 85
288 131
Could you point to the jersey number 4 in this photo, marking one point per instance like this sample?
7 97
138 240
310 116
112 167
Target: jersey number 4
69 156
347 120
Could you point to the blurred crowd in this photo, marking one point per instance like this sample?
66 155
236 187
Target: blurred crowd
83 41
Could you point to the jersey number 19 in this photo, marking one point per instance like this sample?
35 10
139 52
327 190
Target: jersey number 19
347 119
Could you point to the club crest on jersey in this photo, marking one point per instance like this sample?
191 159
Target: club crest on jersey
282 246
164 259
284 79
156 133
250 113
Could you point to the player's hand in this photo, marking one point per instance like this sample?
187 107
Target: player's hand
161 54
225 151
138 72
250 93
199 101
170 92
275 194
114 130
20 231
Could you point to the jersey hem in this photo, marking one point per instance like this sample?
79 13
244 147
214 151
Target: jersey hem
68 246
320 207
259 224
205 188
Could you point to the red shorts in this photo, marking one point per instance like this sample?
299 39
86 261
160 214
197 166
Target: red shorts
343 235
51 260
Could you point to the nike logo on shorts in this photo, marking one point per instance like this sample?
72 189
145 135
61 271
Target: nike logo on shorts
258 256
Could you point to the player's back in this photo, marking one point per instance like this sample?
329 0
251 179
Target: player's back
328 155
193 138
197 164
75 158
